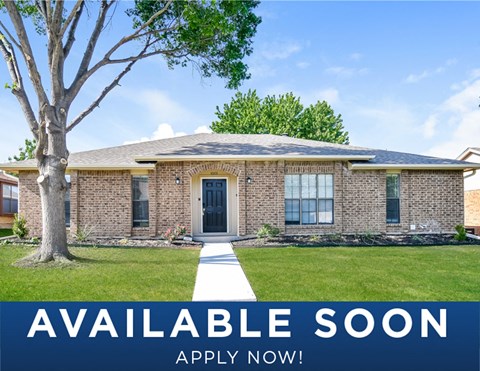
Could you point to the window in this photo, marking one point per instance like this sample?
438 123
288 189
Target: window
393 198
309 199
140 201
10 199
67 201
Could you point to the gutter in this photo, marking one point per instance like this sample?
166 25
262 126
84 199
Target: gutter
465 167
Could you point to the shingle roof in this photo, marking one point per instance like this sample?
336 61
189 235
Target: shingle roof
242 146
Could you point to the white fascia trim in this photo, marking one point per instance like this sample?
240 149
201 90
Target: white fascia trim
467 153
18 168
464 167
111 167
166 158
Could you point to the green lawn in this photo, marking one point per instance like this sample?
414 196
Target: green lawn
104 274
6 232
439 273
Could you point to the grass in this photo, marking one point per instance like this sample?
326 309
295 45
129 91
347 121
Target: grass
6 232
438 273
104 274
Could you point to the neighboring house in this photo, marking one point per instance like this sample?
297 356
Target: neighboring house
9 199
472 190
230 185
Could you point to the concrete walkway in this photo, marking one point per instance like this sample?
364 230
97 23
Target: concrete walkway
220 276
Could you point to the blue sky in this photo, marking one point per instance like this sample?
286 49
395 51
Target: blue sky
404 75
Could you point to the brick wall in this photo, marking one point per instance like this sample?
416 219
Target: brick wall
436 198
172 198
103 198
104 202
472 208
29 204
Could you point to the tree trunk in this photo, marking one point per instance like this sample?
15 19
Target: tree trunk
52 163
54 234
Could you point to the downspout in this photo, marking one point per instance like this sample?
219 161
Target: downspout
474 171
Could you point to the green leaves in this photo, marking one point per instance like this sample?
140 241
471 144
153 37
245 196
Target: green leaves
249 114
214 35
26 153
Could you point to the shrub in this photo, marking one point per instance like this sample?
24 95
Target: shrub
172 234
83 233
268 231
19 228
461 233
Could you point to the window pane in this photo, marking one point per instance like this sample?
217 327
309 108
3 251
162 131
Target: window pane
292 186
325 182
6 206
140 201
309 211
140 189
6 191
14 206
393 185
292 211
309 186
329 186
325 211
14 193
67 213
140 213
393 210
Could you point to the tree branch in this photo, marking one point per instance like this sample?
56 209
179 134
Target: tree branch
17 88
26 50
41 6
137 33
83 73
55 52
73 29
92 43
10 36
97 101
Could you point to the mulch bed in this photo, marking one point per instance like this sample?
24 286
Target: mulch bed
355 240
117 242
301 241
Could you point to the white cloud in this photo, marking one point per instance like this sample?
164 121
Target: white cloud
388 123
346 72
303 65
429 126
331 95
260 70
13 123
356 56
165 131
203 129
458 121
280 50
414 78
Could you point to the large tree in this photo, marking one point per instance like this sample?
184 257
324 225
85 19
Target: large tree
214 36
249 114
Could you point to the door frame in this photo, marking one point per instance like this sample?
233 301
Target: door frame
227 208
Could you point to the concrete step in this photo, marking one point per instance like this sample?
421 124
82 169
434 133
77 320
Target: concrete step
215 239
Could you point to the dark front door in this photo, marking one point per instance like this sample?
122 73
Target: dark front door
214 195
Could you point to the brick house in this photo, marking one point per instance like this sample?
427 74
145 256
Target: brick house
8 199
230 185
472 191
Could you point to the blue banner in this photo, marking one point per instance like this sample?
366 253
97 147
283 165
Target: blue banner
239 336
